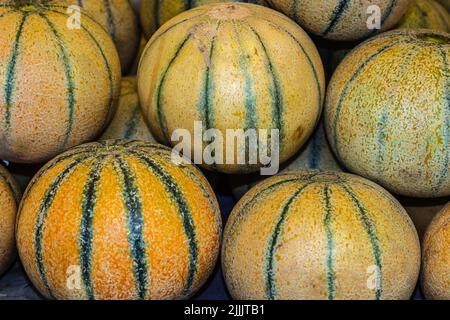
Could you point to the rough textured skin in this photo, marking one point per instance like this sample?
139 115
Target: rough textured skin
120 21
316 154
232 66
445 3
427 14
341 20
128 122
155 13
58 86
320 235
118 220
436 257
9 199
387 112
421 14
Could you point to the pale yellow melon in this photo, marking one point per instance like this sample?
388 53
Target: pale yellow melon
320 235
225 66
387 113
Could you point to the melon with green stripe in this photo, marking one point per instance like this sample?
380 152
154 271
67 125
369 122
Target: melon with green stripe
225 65
427 14
436 257
122 220
154 13
120 21
388 112
445 3
58 84
128 122
320 235
316 154
9 200
343 20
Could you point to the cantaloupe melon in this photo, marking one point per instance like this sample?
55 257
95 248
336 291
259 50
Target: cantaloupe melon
343 20
320 235
387 112
420 14
436 257
118 220
59 80
226 65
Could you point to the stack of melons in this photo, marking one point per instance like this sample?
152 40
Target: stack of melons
116 214
116 219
